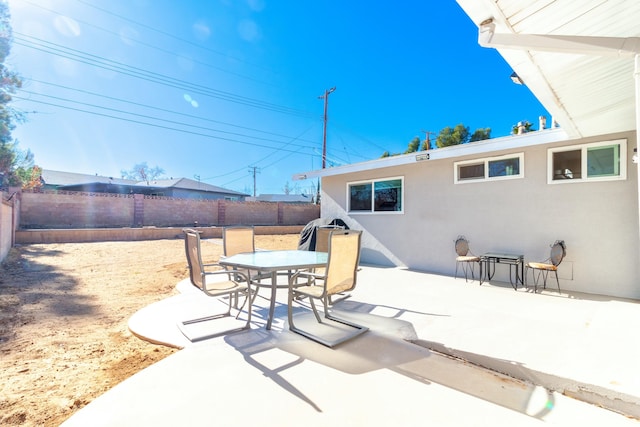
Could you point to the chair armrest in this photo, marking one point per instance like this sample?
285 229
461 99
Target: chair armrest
310 276
229 273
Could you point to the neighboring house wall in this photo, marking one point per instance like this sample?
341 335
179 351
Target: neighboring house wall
58 209
597 220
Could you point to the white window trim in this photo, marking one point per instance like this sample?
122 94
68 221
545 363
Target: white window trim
486 160
373 193
583 158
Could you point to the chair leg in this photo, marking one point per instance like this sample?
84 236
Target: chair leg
466 267
557 281
247 298
315 310
290 310
535 279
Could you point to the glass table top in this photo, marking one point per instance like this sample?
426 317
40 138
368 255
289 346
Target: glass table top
276 260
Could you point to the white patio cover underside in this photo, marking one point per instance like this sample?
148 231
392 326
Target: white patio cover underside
587 94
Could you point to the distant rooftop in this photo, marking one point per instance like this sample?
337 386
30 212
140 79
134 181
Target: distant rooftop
66 179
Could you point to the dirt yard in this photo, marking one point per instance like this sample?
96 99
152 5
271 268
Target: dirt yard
64 310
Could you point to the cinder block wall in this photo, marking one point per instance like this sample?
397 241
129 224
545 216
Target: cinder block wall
297 213
169 212
66 210
75 210
250 213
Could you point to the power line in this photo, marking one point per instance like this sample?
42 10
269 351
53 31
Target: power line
324 133
148 44
86 104
159 31
152 107
157 78
150 124
254 170
150 76
427 140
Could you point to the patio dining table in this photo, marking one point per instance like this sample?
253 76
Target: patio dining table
273 262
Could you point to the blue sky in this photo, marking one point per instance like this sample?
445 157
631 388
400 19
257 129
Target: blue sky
212 89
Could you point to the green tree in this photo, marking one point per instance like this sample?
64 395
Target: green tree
13 161
30 177
414 145
453 136
142 172
481 134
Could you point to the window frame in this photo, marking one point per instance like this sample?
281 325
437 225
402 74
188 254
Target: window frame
584 154
486 161
372 182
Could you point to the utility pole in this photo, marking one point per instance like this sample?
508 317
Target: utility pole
324 133
254 170
427 139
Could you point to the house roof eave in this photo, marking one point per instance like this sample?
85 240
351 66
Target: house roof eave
473 148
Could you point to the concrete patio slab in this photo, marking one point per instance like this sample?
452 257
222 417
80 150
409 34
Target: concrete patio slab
422 361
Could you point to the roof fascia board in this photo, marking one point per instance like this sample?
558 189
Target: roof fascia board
581 45
455 151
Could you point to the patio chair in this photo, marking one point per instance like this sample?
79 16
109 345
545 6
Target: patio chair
322 236
322 245
465 258
339 276
204 278
558 252
237 240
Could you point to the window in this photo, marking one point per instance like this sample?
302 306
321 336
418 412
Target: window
384 195
490 168
599 161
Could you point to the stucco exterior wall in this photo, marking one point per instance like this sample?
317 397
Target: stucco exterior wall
597 220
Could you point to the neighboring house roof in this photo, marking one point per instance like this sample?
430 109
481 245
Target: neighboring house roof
59 178
187 184
576 57
291 198
66 179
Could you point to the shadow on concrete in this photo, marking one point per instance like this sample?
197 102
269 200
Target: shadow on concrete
389 344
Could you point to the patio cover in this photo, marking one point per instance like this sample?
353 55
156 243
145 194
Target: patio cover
578 58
